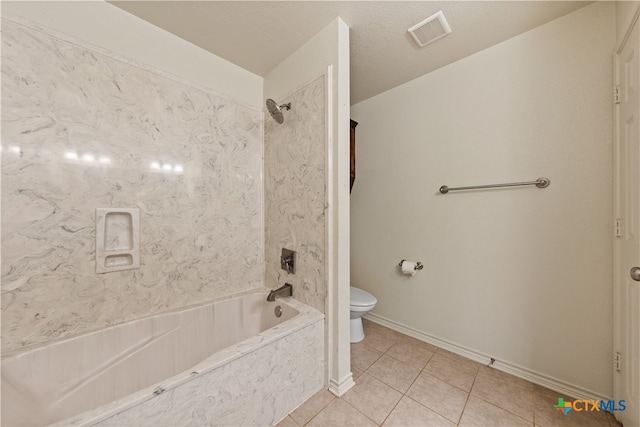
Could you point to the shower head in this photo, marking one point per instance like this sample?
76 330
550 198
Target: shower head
276 110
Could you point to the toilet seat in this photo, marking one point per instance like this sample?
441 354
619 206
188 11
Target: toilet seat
360 298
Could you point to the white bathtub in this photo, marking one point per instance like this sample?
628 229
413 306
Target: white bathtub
226 362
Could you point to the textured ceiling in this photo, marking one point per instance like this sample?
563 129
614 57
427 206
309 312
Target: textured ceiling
258 35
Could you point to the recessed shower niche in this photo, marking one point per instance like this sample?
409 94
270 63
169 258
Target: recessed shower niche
117 239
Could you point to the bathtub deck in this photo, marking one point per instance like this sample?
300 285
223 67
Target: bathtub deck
203 365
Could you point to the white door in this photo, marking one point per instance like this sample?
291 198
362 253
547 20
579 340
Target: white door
627 246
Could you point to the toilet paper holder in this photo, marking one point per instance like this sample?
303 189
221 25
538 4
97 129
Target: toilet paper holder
419 265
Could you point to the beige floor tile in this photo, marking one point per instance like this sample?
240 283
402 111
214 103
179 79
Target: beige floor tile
505 391
393 372
312 406
454 369
371 326
539 390
372 397
406 338
450 389
410 413
438 396
287 422
340 413
454 356
379 337
368 325
412 352
613 422
480 413
363 356
546 415
505 378
355 371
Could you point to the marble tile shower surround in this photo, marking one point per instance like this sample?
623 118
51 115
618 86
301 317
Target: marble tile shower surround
295 193
82 130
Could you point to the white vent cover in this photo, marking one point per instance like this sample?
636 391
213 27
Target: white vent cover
430 30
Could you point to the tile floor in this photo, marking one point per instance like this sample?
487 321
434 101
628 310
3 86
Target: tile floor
401 381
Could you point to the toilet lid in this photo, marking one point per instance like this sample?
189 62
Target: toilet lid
360 298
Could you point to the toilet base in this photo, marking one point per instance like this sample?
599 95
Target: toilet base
357 332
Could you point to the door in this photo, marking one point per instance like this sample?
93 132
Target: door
627 246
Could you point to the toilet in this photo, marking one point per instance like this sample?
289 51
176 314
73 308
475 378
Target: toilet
361 303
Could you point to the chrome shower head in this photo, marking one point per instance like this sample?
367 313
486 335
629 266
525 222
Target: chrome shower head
276 110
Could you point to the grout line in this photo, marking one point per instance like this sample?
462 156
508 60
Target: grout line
534 405
437 350
403 394
420 371
320 410
366 416
442 353
392 409
505 409
464 408
312 418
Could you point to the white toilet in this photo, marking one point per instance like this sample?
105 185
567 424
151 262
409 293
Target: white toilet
361 303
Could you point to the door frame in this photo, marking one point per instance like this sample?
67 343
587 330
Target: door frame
617 273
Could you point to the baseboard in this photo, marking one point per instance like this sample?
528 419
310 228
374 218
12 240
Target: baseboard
563 388
341 387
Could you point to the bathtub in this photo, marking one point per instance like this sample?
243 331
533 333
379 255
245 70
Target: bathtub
225 362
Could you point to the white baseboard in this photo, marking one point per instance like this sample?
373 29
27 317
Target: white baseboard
339 388
563 388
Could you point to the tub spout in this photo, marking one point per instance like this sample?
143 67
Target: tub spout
285 291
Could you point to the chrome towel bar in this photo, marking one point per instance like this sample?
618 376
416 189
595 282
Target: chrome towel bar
540 183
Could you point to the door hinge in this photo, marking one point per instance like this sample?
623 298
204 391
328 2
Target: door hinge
617 361
616 95
617 228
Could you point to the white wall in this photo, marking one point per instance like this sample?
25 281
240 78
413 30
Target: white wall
625 13
327 54
522 275
111 28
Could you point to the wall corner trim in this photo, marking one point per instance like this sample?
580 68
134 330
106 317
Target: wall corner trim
340 388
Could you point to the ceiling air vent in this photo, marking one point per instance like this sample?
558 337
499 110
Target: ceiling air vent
430 30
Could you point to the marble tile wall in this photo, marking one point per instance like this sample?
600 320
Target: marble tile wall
295 194
82 130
